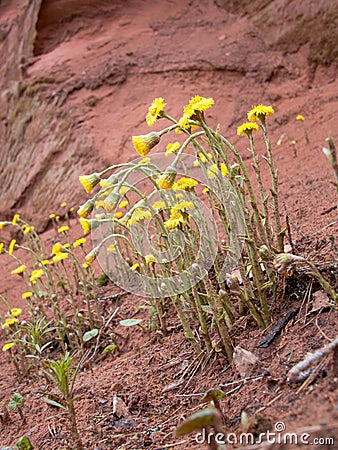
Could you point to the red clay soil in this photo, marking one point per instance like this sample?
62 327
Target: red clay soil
110 64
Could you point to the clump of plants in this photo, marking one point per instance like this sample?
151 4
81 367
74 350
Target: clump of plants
60 293
188 227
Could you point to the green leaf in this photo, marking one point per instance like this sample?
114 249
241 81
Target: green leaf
130 322
90 335
61 284
109 348
201 419
53 403
16 401
24 443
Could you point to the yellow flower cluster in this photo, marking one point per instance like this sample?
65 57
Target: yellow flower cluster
36 275
185 184
196 104
139 215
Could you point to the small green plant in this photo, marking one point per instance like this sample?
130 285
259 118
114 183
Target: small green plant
24 443
63 377
16 403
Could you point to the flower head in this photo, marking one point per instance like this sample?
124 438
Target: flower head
92 255
52 216
145 142
19 270
123 204
172 148
111 248
247 128
86 209
36 274
8 322
63 204
79 242
89 181
185 184
182 206
135 266
139 215
159 205
196 104
15 219
58 248
155 111
11 247
213 171
1 247
27 294
60 257
300 117
166 180
175 221
150 260
26 229
260 112
7 346
14 312
63 229
4 224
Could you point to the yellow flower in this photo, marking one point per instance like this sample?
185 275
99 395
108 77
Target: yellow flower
213 171
4 224
87 208
27 294
26 229
45 262
98 204
166 180
89 181
159 205
63 229
36 274
206 190
111 248
15 219
7 346
19 270
174 221
52 216
139 215
63 204
293 142
60 257
135 266
150 260
123 190
118 215
123 204
185 184
1 247
85 265
145 142
247 128
79 242
260 112
196 103
9 321
85 225
179 196
11 247
172 148
300 117
90 258
205 158
145 160
15 312
155 111
182 206
58 248
197 163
